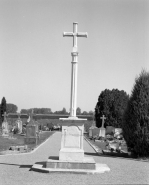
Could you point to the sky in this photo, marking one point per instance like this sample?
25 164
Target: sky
35 58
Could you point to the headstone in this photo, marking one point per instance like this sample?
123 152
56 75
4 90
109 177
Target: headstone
110 130
19 124
91 129
102 129
96 132
5 127
31 131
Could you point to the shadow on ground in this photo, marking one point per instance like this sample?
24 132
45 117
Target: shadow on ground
21 166
119 157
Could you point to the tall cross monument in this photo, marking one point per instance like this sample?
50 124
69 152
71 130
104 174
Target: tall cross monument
71 155
73 97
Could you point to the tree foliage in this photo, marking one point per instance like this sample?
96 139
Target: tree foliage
3 108
112 104
84 113
136 117
11 108
49 111
78 111
37 111
63 111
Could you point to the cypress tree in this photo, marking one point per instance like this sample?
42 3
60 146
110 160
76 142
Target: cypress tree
136 117
2 109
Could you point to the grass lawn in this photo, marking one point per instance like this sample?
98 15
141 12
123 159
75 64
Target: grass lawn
102 145
18 140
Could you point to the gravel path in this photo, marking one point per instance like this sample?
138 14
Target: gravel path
14 169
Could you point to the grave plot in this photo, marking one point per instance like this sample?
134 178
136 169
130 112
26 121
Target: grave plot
17 144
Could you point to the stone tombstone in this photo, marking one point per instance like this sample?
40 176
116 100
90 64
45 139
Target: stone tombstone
110 130
91 130
102 131
31 131
19 124
95 132
5 126
72 141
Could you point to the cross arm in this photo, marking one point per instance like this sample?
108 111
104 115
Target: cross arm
68 34
80 34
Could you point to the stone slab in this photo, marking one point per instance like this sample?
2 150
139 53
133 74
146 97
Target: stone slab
99 168
87 163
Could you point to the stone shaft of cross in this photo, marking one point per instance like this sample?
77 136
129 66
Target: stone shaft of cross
74 53
103 120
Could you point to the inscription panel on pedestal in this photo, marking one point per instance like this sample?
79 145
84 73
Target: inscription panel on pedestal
72 137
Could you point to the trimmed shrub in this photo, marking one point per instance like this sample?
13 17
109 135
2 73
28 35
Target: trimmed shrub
136 117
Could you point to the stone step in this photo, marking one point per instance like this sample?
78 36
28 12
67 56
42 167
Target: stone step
87 163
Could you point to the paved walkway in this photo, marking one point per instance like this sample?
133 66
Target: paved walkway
14 169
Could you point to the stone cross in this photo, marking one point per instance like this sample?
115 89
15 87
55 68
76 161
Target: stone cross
5 115
31 115
19 123
19 115
74 53
103 120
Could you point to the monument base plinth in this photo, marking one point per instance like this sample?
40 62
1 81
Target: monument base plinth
71 155
87 166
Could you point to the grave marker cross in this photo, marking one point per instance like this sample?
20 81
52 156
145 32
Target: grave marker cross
103 119
19 115
5 115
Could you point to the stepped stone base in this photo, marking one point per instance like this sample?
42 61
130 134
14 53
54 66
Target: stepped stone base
87 163
87 166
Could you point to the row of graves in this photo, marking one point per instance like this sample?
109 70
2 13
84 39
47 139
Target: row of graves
30 131
110 139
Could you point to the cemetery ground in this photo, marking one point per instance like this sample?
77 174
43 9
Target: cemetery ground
17 140
15 169
100 146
